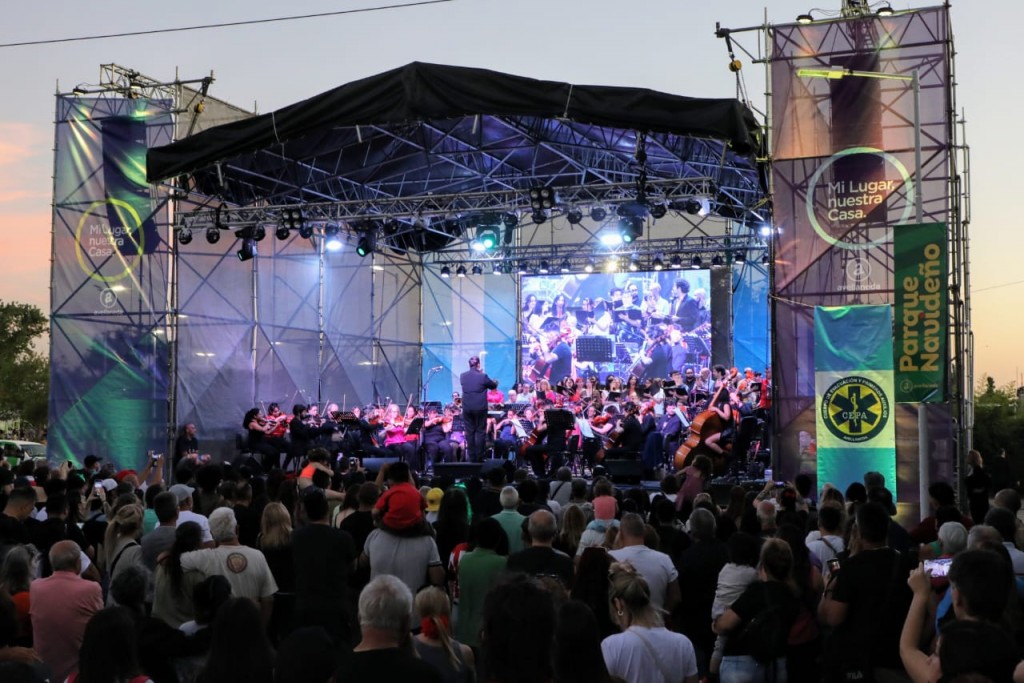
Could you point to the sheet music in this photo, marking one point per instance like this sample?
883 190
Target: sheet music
585 431
520 432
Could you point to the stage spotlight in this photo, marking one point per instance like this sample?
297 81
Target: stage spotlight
510 219
248 250
658 263
305 231
634 263
696 262
566 266
598 214
184 236
542 198
589 266
692 206
367 241
212 235
461 270
574 216
477 270
292 218
332 238
283 233
446 272
612 264
740 257
765 260
545 267
885 10
611 238
539 216
486 239
258 232
631 228
765 230
676 261
524 267
659 211
804 19
716 260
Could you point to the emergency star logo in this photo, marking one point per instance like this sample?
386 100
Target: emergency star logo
855 409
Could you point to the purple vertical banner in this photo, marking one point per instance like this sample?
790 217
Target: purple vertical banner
843 174
108 349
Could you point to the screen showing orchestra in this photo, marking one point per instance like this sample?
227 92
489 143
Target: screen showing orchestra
640 324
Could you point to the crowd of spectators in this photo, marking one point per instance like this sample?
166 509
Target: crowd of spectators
239 575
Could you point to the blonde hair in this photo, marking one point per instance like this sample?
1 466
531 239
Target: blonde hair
275 526
126 523
574 523
634 592
433 603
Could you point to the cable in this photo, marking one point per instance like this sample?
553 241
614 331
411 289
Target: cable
975 290
230 24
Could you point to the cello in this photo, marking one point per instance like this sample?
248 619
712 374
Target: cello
707 423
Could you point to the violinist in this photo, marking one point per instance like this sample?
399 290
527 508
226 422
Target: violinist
435 441
260 441
362 441
506 435
278 420
304 434
394 435
630 435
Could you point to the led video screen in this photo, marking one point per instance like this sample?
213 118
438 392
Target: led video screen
645 324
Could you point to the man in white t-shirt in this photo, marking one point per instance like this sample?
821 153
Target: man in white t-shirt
245 568
656 567
185 514
826 543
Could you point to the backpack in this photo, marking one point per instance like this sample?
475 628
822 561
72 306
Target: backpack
764 637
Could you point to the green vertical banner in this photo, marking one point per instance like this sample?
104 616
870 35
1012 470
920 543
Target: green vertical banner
922 272
853 377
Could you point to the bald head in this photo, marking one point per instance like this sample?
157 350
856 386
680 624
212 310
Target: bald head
542 527
66 556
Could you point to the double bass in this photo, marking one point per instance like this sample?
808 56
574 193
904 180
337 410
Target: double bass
706 424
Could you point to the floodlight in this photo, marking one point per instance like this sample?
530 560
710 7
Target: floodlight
539 216
692 206
885 10
659 211
804 19
212 235
367 241
676 261
184 236
716 260
696 262
574 216
566 266
305 231
765 260
477 270
461 270
598 214
545 268
542 198
283 233
445 271
248 250
258 232
658 263
634 263
332 238
589 266
740 257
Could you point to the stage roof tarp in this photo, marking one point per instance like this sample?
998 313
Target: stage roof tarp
429 130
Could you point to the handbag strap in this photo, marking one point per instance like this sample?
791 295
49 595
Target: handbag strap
654 655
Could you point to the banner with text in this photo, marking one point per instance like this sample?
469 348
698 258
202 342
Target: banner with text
853 378
921 312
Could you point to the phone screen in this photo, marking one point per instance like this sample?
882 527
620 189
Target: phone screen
938 568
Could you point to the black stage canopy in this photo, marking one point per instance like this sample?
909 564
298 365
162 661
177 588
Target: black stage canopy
427 130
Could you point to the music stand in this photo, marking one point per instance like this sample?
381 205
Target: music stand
415 426
595 349
558 419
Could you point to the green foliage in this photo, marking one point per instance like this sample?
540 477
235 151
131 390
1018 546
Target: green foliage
998 423
24 373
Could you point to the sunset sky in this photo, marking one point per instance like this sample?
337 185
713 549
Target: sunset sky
668 46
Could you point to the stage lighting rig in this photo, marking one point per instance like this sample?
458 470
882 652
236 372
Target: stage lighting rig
283 233
305 231
598 214
658 211
477 270
716 260
367 242
248 250
446 272
332 237
589 266
184 236
631 228
461 270
487 238
539 216
292 218
212 235
545 268
739 257
258 232
696 262
574 216
676 261
566 266
542 198
692 206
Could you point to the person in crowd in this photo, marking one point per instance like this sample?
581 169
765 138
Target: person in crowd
185 513
574 522
541 559
307 655
452 525
699 567
16 573
161 539
759 655
402 546
172 585
324 560
434 643
655 567
21 503
384 652
245 568
865 601
61 606
733 579
486 501
248 517
804 645
826 542
510 518
578 657
239 649
518 632
275 542
1005 523
978 484
645 651
479 569
109 649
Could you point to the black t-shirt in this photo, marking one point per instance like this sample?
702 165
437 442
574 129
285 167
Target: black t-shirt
358 525
323 558
12 531
541 561
698 568
873 585
248 525
486 503
757 598
392 664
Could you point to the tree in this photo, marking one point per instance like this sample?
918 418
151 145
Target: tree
24 372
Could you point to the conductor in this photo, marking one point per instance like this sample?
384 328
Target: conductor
475 384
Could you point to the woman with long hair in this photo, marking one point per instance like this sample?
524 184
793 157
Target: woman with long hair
435 645
239 649
804 642
276 543
574 522
578 656
172 586
452 525
645 651
16 574
121 546
108 651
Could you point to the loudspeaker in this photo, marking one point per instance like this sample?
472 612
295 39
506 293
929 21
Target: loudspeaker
374 464
457 470
624 471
